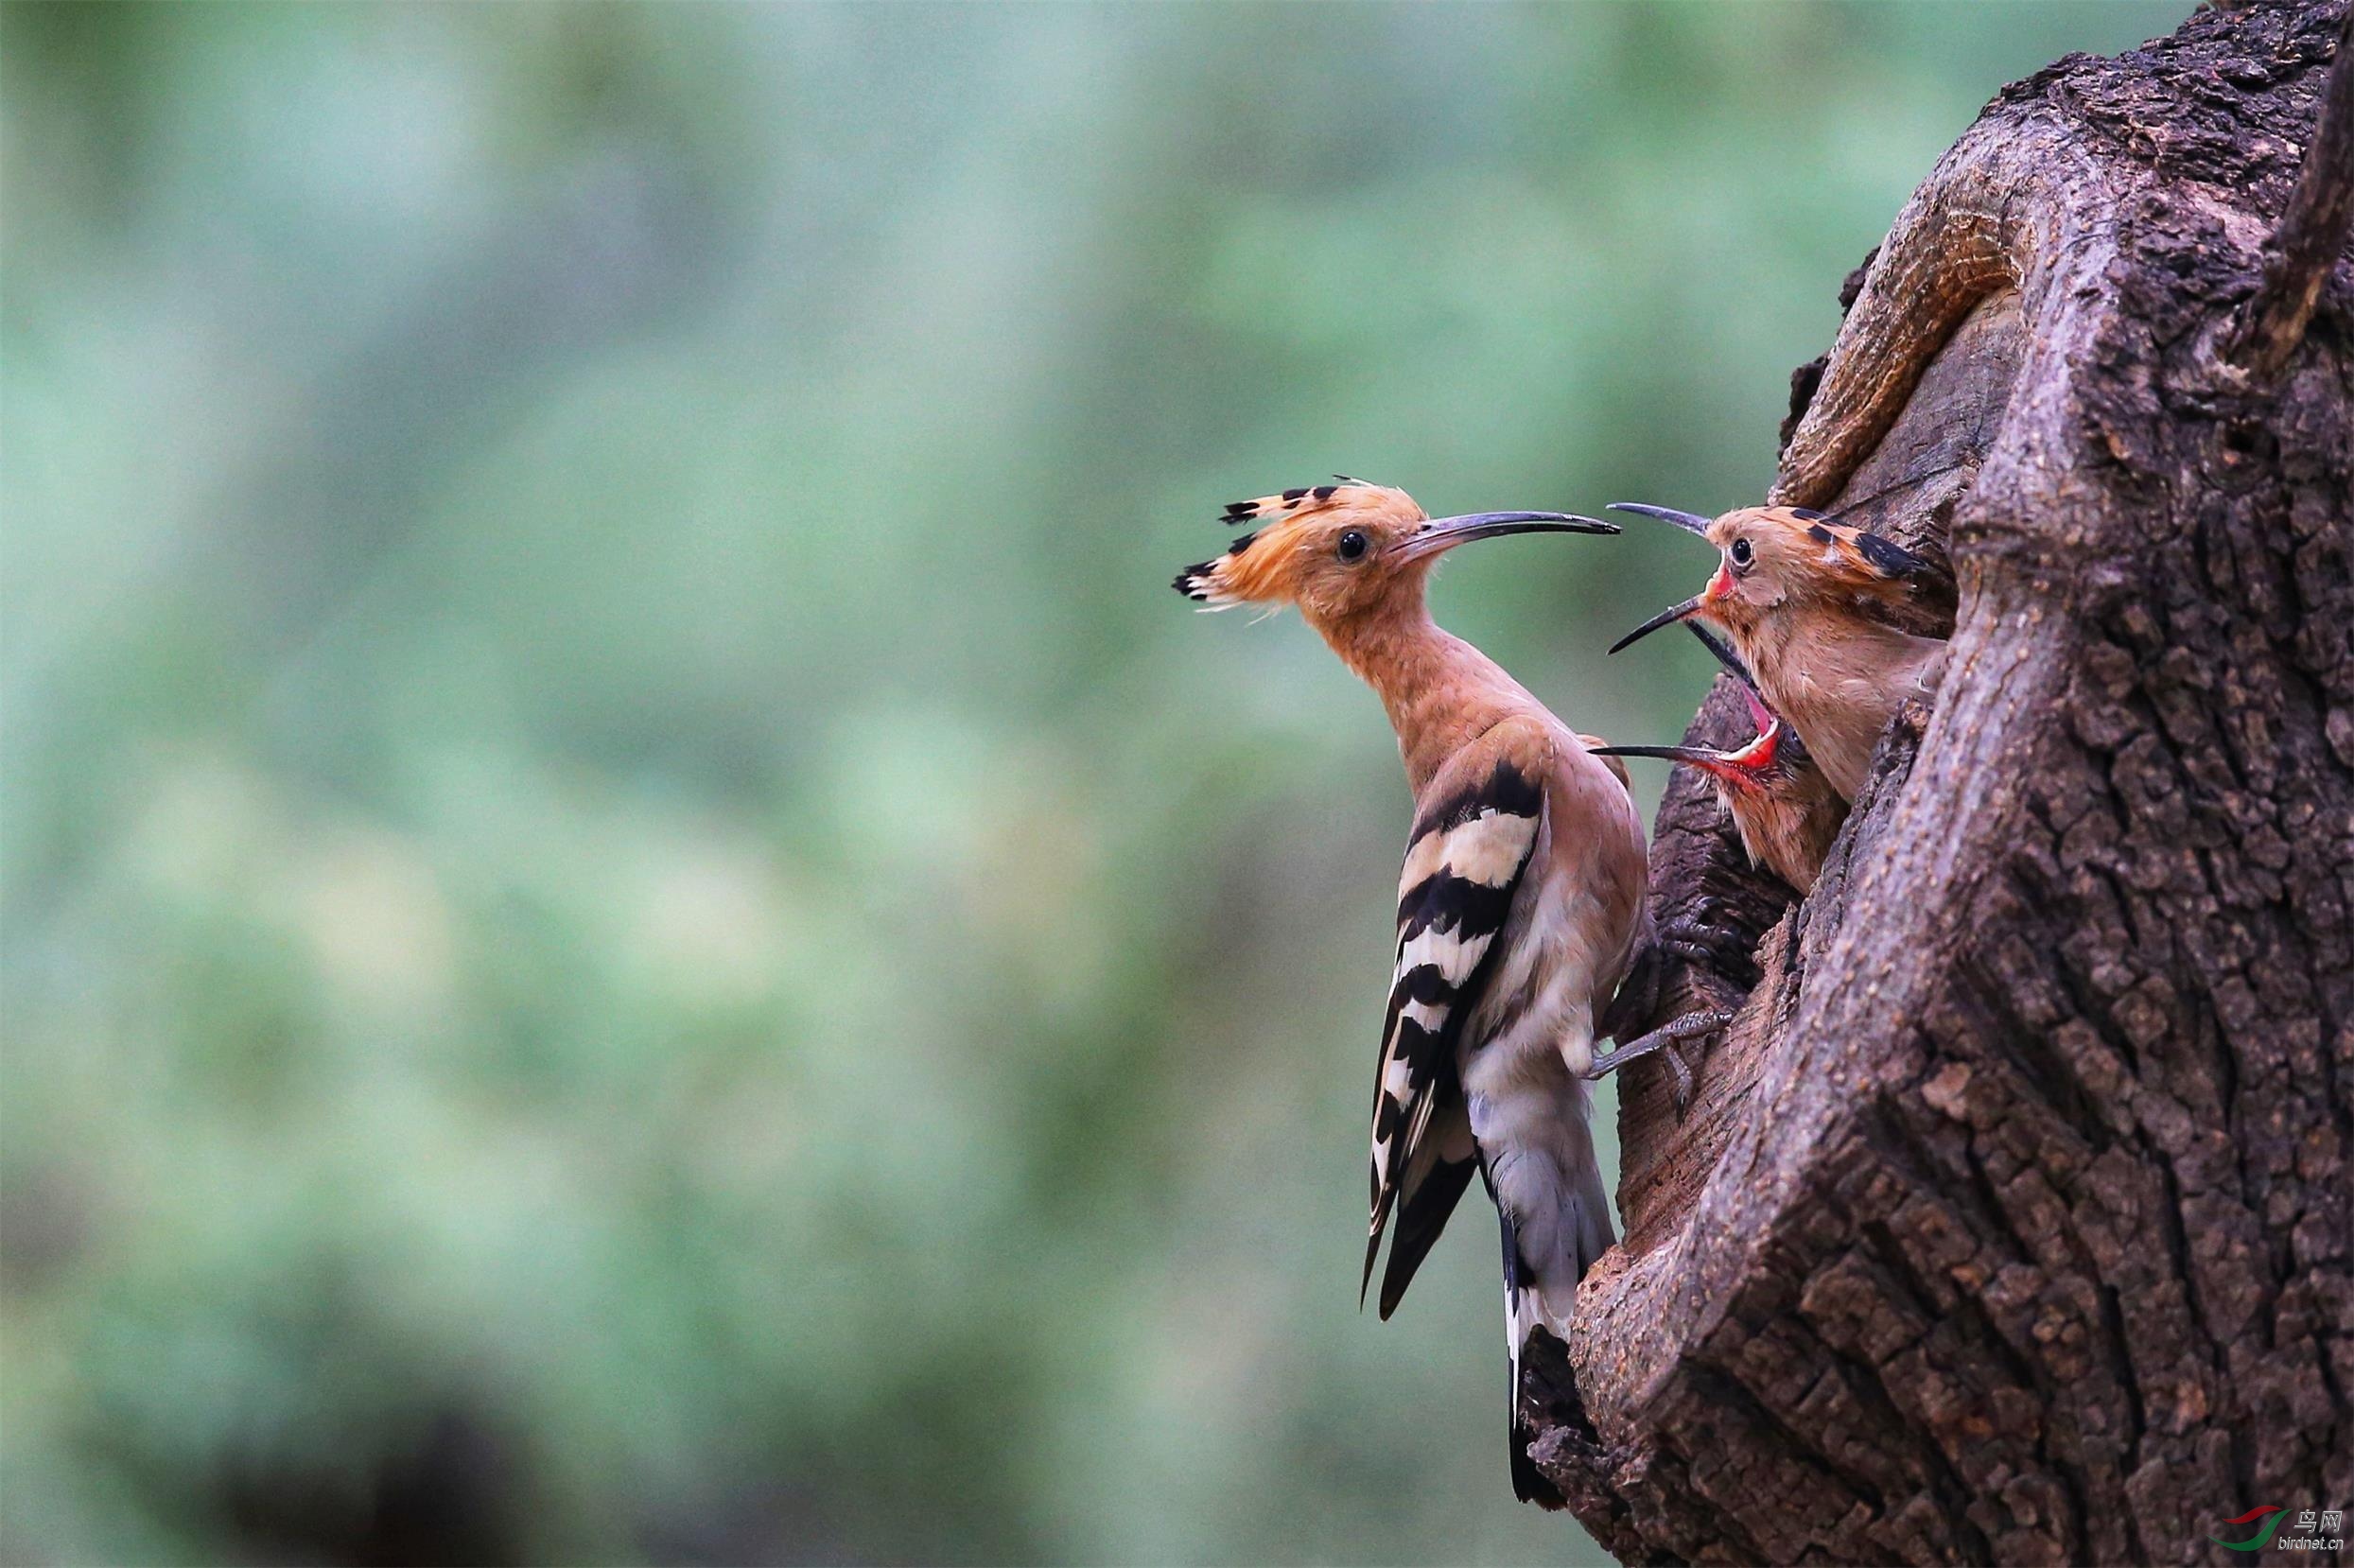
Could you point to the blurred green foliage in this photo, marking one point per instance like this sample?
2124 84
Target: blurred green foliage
635 926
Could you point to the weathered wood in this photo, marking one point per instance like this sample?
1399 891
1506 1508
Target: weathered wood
2305 246
2014 1221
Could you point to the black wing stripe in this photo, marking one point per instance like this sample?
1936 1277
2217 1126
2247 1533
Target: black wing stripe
1458 894
1425 983
1422 1216
1443 901
1505 789
1888 557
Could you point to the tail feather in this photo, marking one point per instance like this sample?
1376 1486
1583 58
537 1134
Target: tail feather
1529 1483
1547 1391
1545 1258
1521 1314
1586 1217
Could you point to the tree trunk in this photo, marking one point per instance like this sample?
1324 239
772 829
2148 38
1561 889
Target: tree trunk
2012 1221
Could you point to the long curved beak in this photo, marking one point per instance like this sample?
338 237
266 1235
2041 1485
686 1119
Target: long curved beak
1684 520
1696 755
1725 655
1442 534
1666 618
1717 765
1759 713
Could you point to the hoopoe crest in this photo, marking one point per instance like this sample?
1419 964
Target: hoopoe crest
1345 549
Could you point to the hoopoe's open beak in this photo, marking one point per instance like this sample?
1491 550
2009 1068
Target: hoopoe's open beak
1443 533
1690 523
1747 763
1720 764
1760 715
1666 618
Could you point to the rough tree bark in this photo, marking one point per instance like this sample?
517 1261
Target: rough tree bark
2015 1219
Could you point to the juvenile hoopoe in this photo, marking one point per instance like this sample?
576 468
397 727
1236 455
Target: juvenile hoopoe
1787 811
1520 900
1808 603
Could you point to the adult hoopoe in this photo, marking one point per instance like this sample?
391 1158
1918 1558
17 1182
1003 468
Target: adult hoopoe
1520 903
1787 811
1808 603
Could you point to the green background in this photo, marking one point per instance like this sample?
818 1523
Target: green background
635 926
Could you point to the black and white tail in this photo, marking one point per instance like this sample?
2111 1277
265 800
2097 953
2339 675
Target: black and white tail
1545 1257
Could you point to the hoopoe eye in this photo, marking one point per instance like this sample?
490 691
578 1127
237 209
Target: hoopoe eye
1351 546
1742 553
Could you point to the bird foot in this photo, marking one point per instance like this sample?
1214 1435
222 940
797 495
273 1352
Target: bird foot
1718 960
1667 1037
1709 947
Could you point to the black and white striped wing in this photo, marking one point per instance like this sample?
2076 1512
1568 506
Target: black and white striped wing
1469 850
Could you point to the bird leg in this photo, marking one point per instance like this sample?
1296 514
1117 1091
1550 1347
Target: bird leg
1693 1025
1721 963
1720 960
